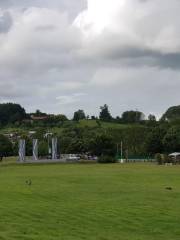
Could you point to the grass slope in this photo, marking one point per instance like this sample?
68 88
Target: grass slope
89 201
93 123
81 124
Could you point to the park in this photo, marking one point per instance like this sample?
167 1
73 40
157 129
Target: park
89 120
89 201
45 197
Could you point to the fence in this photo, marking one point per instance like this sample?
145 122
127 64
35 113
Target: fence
136 158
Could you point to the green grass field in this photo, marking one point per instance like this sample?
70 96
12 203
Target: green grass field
89 201
93 123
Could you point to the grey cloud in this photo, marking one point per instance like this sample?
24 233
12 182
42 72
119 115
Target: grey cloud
72 7
46 62
5 22
144 57
45 28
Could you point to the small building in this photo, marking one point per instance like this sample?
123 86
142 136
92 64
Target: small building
39 118
175 157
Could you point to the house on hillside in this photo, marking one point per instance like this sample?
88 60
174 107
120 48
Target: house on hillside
38 118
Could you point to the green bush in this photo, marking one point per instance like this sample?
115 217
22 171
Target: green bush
159 158
166 158
106 159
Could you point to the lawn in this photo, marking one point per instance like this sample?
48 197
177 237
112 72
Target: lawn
89 201
93 123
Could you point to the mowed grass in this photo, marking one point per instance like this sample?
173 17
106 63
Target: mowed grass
89 201
93 123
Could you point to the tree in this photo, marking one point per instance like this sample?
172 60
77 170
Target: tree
93 118
11 113
152 118
171 140
154 140
43 148
132 116
38 113
102 144
159 158
6 148
79 115
105 114
173 113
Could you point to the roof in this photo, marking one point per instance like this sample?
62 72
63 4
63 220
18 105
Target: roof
175 154
38 117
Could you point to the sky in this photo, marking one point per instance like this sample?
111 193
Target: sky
63 55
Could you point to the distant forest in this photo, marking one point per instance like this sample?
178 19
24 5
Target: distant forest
96 135
11 113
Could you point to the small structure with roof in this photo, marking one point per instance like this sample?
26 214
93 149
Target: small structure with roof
175 157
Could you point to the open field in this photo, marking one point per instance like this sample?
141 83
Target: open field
89 201
93 123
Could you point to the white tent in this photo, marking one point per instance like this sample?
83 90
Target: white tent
176 154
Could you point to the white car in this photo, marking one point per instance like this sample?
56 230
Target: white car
73 157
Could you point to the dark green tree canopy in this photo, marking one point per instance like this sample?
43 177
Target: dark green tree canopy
132 116
153 141
171 140
152 117
79 115
104 113
173 113
38 113
6 148
11 113
103 144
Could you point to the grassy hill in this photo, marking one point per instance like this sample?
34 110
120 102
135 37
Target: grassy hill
89 201
90 124
93 123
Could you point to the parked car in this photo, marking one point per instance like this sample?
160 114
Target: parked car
73 157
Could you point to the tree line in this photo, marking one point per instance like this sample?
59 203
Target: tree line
140 137
11 113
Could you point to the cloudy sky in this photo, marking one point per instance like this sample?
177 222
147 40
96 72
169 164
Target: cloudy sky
64 55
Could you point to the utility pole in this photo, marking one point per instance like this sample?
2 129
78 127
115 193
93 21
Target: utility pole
122 152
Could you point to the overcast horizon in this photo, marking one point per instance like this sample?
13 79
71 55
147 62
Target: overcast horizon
60 56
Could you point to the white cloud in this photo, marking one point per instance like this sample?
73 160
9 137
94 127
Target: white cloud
70 99
123 53
152 25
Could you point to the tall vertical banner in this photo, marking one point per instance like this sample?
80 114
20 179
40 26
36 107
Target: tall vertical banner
54 148
35 149
22 150
59 148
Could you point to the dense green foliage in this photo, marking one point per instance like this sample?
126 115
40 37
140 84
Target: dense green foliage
172 113
89 201
101 136
154 140
171 140
106 159
152 118
132 117
105 114
6 147
97 138
79 115
11 113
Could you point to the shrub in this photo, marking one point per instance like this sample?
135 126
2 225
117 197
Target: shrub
166 158
159 158
106 159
